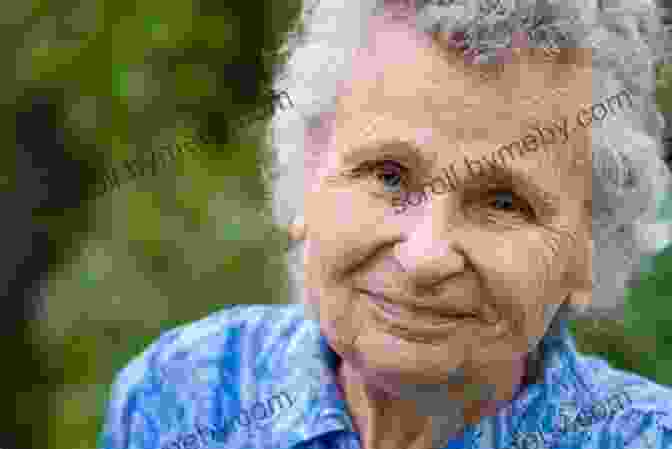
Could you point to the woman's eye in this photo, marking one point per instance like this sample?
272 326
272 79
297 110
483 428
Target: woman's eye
502 200
391 175
507 201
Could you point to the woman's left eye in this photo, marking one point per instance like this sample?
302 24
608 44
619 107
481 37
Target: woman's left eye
503 200
507 201
391 175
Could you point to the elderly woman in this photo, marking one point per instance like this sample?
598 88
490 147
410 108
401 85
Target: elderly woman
462 165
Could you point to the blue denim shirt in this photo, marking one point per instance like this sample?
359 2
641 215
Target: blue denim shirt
253 377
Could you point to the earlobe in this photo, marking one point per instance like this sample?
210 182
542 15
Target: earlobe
581 299
297 229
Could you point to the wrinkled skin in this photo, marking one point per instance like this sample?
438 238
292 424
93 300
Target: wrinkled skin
499 253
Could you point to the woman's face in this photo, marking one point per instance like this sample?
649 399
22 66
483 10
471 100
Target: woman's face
487 263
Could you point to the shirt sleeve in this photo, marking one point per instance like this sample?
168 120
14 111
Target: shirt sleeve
133 418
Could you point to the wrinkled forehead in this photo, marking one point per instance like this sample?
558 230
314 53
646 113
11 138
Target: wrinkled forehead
400 65
391 37
394 43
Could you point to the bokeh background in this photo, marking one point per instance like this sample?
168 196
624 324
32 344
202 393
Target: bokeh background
91 275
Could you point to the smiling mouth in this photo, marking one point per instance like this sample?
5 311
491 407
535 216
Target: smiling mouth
407 318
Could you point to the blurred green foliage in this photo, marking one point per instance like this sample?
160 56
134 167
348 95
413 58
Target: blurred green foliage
166 249
128 76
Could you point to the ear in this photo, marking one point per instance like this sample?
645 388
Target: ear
581 298
297 229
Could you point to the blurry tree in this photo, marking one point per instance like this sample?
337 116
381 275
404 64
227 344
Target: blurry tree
95 83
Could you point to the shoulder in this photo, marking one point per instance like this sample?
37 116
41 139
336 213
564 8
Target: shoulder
637 392
187 366
223 330
631 411
213 337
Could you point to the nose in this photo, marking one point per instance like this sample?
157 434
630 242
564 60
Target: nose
432 251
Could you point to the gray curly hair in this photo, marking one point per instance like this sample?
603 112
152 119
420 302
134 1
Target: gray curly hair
629 176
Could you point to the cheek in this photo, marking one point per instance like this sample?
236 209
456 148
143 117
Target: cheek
343 221
312 258
522 275
331 302
338 315
547 266
515 259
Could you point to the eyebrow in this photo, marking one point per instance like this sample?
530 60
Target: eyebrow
405 150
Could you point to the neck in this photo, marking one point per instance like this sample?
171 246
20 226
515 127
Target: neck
423 416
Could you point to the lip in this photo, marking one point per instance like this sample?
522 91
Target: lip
432 313
413 320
